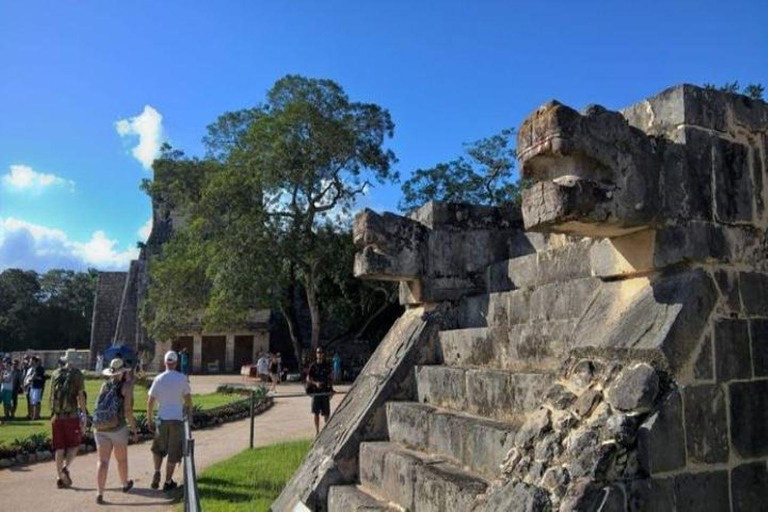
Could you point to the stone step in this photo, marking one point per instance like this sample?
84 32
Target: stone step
476 443
491 393
560 264
349 498
551 301
415 481
538 346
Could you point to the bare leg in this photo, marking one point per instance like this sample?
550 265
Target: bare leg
317 424
59 461
158 462
71 454
169 469
105 451
121 454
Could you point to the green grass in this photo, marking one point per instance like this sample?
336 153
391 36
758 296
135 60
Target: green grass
251 480
20 428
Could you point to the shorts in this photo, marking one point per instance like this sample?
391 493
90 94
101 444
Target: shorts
321 405
7 395
169 440
112 438
66 433
35 395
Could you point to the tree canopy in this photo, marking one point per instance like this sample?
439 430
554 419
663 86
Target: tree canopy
269 215
484 175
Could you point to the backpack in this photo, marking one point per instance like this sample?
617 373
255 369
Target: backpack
62 390
106 413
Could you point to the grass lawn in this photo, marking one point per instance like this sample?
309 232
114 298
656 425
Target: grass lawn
15 429
251 480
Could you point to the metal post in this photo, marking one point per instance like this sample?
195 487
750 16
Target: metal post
253 416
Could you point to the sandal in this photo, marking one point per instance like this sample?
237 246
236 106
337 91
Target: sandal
128 486
68 481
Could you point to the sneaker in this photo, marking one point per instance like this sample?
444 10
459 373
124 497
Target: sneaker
60 483
128 486
169 486
68 480
155 480
100 499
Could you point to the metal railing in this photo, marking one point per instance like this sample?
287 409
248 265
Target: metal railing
191 493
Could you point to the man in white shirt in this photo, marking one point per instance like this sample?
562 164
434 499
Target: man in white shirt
262 367
171 390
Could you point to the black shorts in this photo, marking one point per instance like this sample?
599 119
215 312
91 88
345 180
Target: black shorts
321 405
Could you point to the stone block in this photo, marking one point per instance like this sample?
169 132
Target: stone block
519 306
446 437
467 347
372 464
702 491
623 256
749 487
563 264
660 319
651 495
749 418
728 283
407 423
516 496
441 487
497 277
703 368
399 479
758 330
473 311
732 358
561 301
660 439
754 293
634 389
486 444
442 386
348 498
540 344
523 271
689 167
706 424
734 190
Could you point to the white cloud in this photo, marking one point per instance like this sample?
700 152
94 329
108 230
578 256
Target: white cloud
32 246
145 230
148 127
22 178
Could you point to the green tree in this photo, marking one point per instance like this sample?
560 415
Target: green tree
485 175
275 175
19 306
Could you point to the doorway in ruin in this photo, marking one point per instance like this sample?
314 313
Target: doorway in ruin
214 354
243 351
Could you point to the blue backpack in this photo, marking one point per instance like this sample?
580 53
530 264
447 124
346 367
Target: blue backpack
106 413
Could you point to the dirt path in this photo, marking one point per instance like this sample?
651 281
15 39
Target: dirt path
33 488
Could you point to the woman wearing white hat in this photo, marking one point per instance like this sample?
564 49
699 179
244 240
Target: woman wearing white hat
112 416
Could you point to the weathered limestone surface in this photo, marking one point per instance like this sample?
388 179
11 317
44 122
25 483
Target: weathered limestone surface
613 357
361 416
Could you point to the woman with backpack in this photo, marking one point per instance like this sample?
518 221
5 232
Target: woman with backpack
112 417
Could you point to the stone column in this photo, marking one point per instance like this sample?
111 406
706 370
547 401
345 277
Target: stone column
229 361
197 353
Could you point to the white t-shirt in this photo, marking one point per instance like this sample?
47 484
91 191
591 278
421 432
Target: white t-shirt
169 388
262 365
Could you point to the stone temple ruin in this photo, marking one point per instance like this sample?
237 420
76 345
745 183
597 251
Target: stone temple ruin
605 348
117 320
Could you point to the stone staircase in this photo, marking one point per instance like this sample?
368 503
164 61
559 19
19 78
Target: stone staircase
446 449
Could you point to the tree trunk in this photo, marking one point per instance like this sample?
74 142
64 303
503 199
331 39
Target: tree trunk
294 334
314 310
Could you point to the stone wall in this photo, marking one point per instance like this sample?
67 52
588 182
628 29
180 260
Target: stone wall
605 350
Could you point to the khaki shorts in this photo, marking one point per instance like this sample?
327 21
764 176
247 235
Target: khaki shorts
169 440
112 438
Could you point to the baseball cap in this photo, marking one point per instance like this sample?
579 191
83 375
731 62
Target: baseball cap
171 356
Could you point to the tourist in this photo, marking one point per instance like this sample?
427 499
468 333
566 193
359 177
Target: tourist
184 361
7 385
262 368
100 363
18 386
320 380
112 417
26 375
274 372
171 390
336 367
67 400
36 376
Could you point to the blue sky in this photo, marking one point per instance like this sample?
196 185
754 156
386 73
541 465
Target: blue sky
449 72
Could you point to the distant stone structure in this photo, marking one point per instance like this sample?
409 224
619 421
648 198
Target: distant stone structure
604 349
116 318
